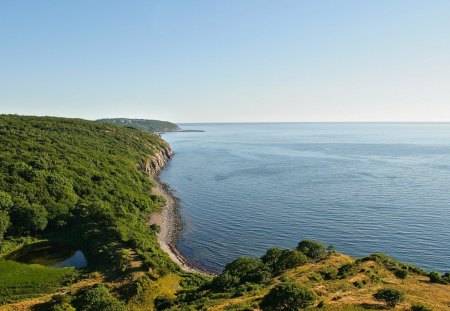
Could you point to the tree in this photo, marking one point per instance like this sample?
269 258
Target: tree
4 223
34 217
248 270
287 296
390 296
5 201
279 260
225 281
290 259
242 270
271 257
312 249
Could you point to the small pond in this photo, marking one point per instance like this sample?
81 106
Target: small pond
47 254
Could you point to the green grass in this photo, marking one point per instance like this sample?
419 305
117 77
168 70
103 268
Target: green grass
19 281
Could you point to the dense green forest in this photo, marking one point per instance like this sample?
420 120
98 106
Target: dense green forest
143 124
79 184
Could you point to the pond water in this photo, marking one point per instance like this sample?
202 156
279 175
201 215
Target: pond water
47 254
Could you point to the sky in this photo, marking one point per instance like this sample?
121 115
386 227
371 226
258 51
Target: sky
227 60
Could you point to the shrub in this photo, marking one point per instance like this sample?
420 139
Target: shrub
392 264
287 296
358 284
401 274
328 273
98 298
420 307
345 270
248 269
225 281
194 280
435 277
312 249
163 303
390 296
446 277
315 277
240 271
279 260
290 259
375 279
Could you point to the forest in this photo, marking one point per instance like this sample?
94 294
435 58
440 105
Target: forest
76 183
143 124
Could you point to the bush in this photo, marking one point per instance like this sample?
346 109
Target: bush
279 260
290 259
401 274
287 296
420 307
240 271
390 296
98 298
225 281
163 303
358 284
435 277
328 273
312 249
392 264
446 277
345 270
194 280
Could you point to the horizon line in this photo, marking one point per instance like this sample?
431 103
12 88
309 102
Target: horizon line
238 122
283 122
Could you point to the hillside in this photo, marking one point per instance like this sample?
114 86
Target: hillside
142 124
73 185
80 185
337 282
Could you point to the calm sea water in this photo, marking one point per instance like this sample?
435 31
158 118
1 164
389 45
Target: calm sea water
363 188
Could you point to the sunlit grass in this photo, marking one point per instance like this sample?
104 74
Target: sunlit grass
18 281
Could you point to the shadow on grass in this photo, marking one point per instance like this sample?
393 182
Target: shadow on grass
373 306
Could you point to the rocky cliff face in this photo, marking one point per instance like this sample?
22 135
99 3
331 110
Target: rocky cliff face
156 162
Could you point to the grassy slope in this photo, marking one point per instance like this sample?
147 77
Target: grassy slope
342 294
20 280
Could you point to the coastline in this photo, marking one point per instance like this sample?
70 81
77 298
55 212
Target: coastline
169 221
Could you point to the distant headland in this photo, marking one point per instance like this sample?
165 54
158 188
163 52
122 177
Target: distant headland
154 126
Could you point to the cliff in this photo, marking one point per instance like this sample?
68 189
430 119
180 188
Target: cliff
157 161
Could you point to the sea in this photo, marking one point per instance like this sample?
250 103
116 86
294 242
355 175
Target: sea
362 187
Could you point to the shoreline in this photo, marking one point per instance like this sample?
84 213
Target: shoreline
169 221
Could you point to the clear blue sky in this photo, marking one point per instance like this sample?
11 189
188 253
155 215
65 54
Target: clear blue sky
229 60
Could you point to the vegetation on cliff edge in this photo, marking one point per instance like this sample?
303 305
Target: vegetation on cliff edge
143 124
